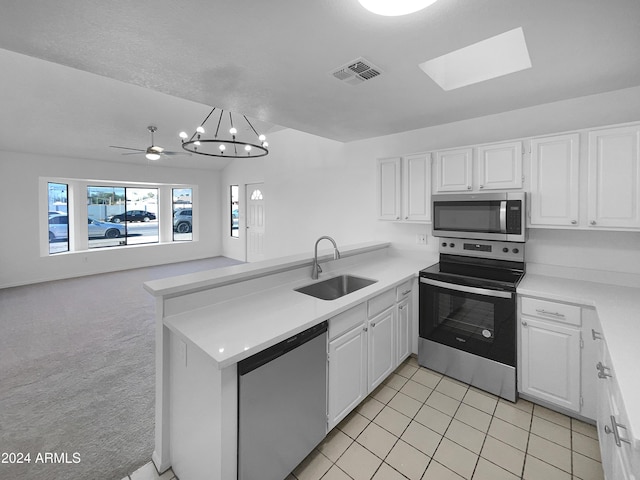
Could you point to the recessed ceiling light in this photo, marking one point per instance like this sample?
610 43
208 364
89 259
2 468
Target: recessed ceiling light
491 58
395 8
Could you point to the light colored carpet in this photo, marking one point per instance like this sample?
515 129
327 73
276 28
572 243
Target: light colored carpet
77 373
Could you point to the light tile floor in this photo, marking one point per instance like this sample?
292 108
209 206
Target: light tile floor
421 425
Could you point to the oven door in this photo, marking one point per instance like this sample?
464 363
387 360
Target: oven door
479 321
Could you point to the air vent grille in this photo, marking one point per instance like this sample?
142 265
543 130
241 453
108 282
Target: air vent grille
356 71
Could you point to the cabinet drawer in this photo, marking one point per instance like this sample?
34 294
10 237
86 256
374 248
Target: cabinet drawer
404 290
381 302
347 320
557 312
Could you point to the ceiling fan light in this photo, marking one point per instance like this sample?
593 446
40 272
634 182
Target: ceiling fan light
395 8
152 156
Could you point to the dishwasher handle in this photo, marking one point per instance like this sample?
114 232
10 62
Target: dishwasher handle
271 353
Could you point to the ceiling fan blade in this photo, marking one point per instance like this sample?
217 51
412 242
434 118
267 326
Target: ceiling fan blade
128 148
175 153
133 153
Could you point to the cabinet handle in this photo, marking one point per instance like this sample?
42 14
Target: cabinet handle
596 335
373 325
601 370
524 324
401 307
365 329
469 187
406 218
397 218
481 186
592 222
545 312
574 222
406 292
614 429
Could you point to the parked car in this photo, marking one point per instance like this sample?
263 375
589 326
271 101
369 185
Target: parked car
182 220
133 216
235 219
59 228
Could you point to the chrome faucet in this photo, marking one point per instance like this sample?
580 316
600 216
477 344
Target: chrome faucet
316 266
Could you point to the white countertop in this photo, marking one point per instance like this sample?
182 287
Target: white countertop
618 309
236 329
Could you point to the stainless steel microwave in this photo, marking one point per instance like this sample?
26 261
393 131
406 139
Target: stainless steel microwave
482 216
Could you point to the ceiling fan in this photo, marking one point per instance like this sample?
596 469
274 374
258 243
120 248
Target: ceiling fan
153 152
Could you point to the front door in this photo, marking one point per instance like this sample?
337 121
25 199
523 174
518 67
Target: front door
255 225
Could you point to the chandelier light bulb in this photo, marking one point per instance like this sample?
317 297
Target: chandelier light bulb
197 143
262 138
247 148
395 8
222 147
152 156
233 130
183 135
265 144
200 129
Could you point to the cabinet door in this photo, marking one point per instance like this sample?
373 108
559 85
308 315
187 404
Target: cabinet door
347 374
416 188
403 343
500 166
614 178
389 189
551 362
381 343
554 180
454 170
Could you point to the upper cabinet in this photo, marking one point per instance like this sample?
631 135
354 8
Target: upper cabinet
614 178
454 170
555 195
404 188
500 166
497 167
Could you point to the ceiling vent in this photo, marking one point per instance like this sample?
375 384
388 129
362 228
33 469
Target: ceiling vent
356 71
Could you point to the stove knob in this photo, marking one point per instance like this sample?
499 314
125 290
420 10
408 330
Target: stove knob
444 244
515 250
452 245
505 249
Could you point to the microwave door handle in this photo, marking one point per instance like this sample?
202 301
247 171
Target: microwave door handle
463 288
503 216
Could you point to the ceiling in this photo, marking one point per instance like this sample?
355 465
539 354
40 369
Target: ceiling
81 75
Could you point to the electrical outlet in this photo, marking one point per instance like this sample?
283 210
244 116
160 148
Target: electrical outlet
421 239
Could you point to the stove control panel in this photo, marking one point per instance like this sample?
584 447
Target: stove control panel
483 248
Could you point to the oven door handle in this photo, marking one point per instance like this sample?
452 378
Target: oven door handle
463 288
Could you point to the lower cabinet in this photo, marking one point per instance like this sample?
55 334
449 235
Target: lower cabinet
364 349
555 361
619 459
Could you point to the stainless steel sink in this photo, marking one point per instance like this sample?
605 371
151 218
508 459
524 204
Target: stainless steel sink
335 287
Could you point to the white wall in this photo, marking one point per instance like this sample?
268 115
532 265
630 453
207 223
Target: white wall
21 261
315 186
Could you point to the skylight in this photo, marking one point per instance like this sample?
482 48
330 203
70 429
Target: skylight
491 58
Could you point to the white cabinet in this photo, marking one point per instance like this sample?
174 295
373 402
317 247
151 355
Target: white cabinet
555 194
497 167
389 187
454 170
366 344
550 350
620 460
404 319
404 188
381 351
614 178
500 166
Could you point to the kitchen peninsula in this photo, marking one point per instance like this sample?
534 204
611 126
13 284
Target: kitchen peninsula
207 322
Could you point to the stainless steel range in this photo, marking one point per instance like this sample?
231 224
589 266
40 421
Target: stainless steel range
468 313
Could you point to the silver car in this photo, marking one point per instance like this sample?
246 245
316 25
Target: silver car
182 220
59 228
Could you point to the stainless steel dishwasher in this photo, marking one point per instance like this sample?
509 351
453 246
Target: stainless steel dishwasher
282 405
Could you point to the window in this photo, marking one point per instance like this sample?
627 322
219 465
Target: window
121 216
58 219
182 214
235 214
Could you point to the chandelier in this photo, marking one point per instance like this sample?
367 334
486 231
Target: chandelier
238 146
